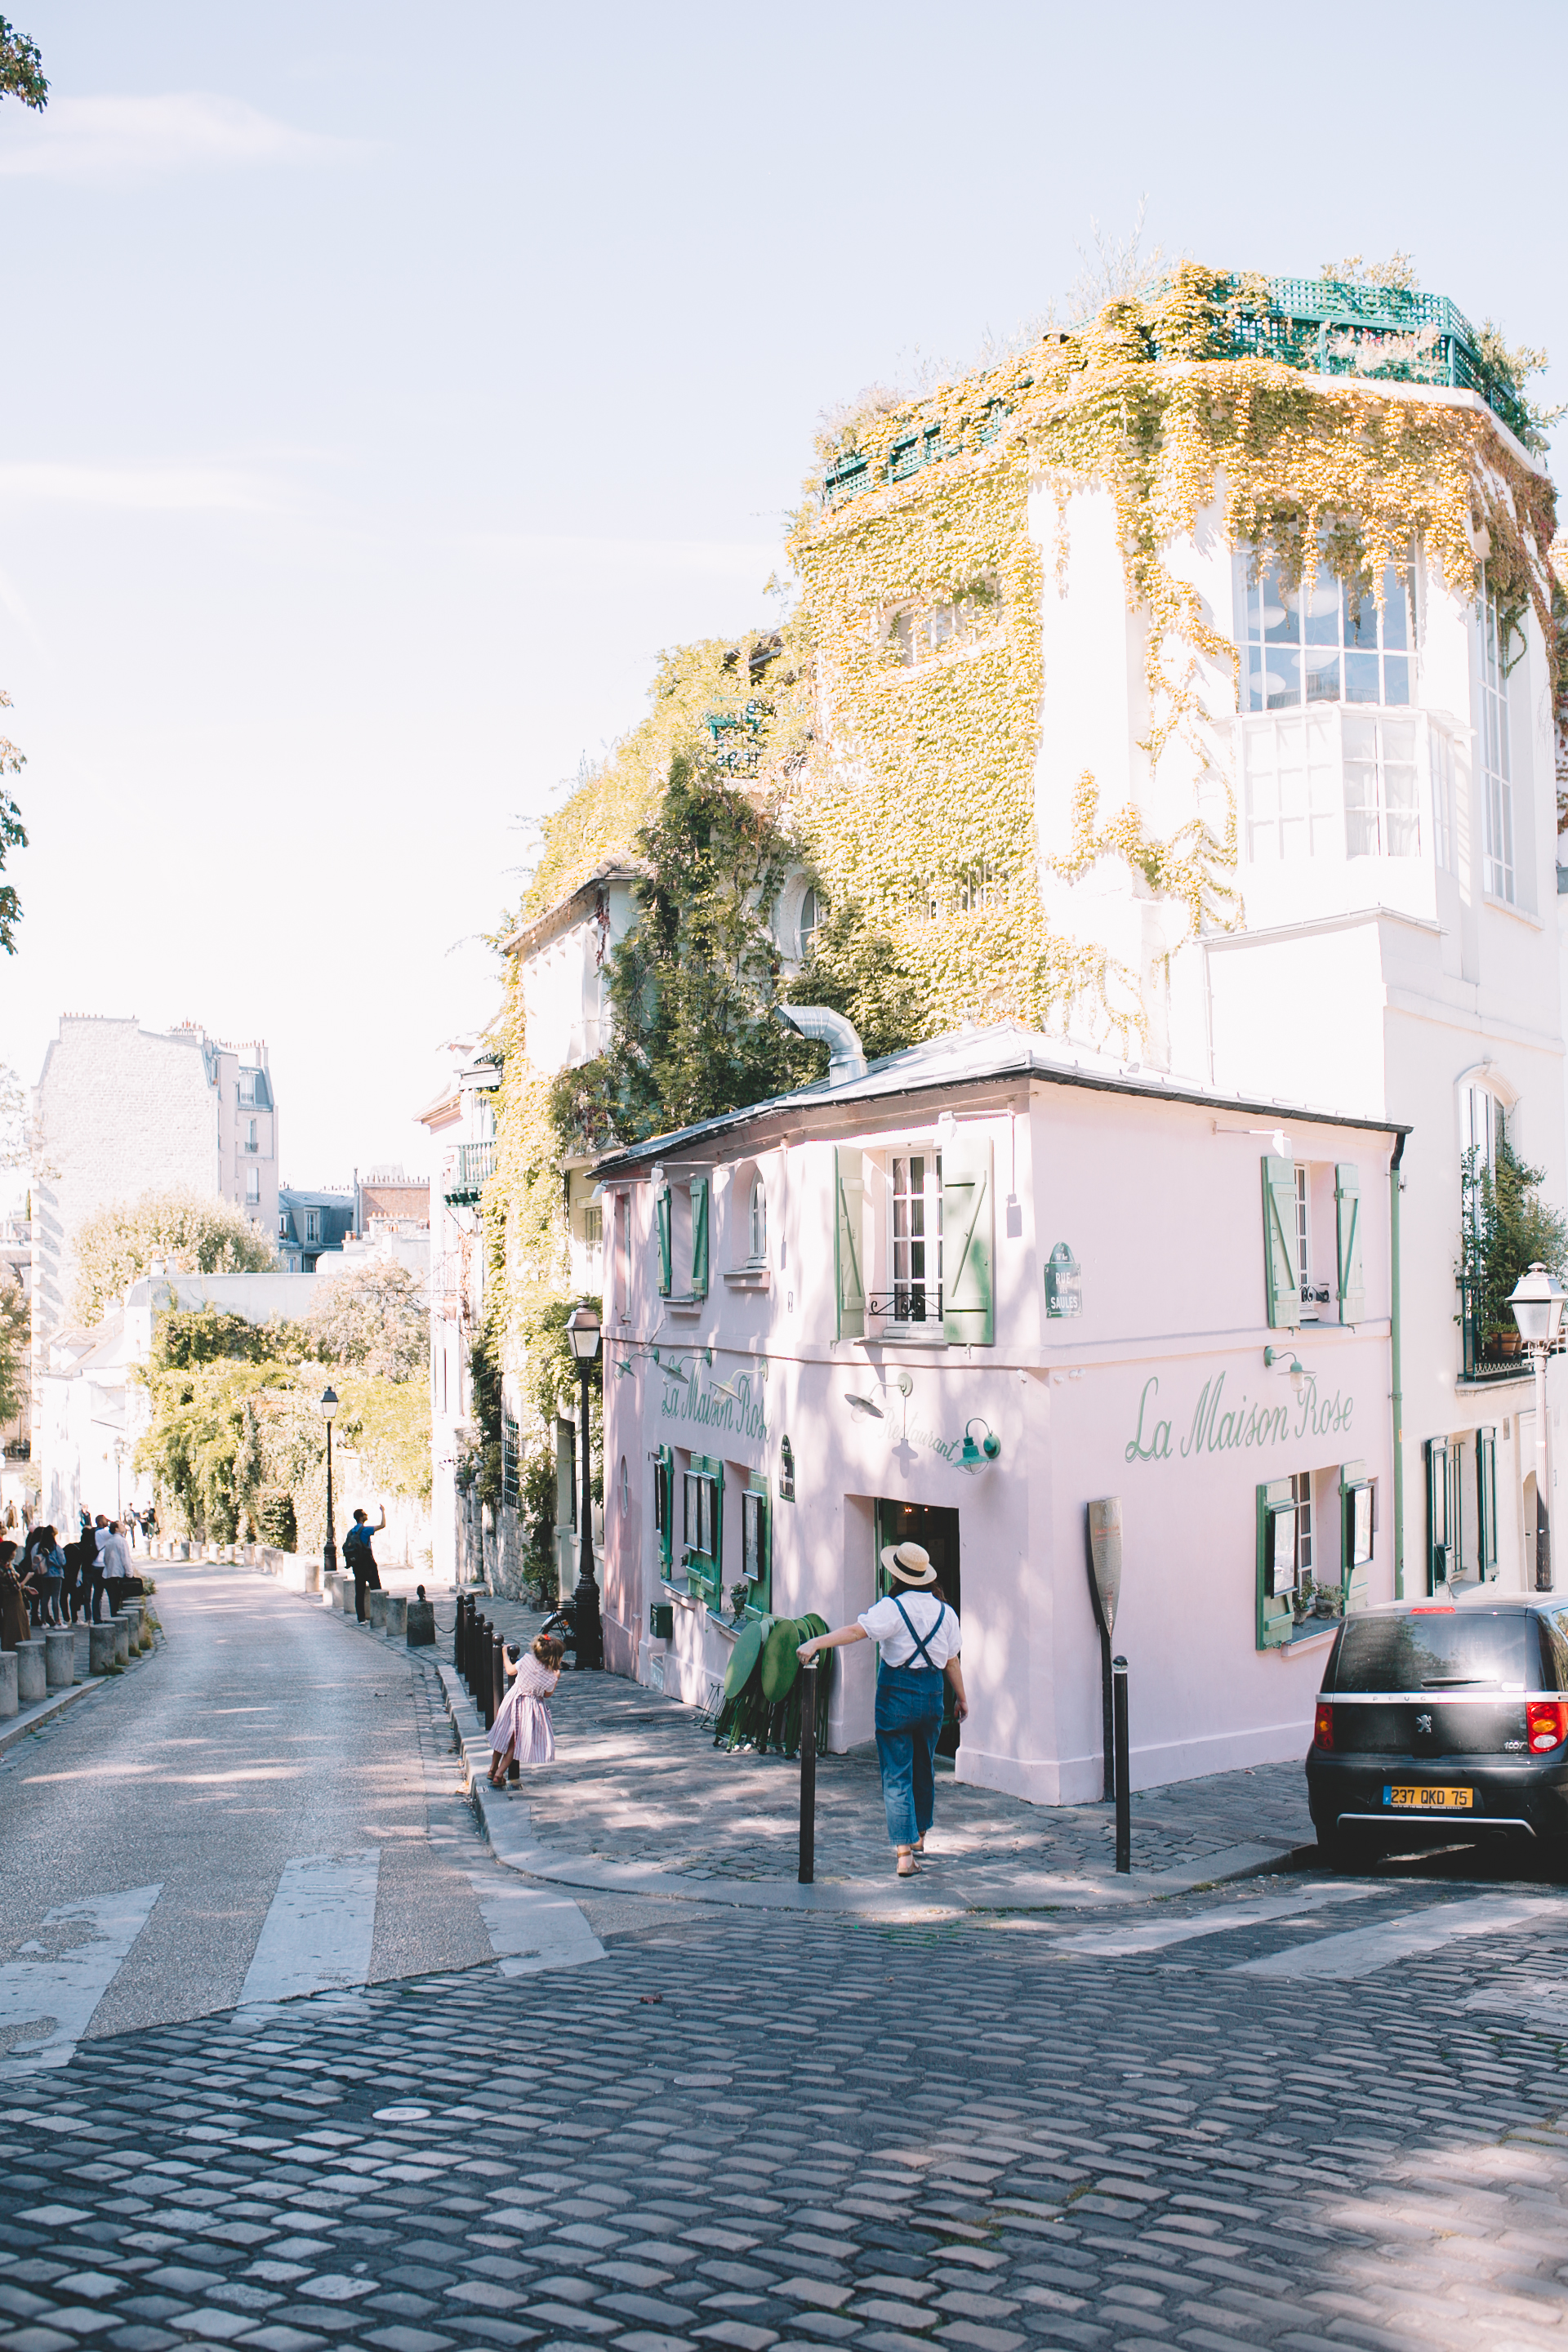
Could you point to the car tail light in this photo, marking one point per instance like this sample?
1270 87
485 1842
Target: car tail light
1323 1725
1545 1723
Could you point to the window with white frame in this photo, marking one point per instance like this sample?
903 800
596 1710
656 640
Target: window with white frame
1480 1132
1301 1495
1382 818
247 1088
915 1239
252 1186
920 634
312 1224
1495 761
1326 640
757 1223
1440 769
812 909
593 1227
1292 790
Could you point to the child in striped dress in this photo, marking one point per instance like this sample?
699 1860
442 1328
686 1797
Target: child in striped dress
522 1725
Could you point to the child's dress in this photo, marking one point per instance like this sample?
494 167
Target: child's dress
522 1719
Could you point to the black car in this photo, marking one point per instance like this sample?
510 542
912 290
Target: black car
1443 1718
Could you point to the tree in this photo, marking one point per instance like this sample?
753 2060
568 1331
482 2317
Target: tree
855 969
21 76
21 68
1508 1228
193 1233
373 1316
14 1329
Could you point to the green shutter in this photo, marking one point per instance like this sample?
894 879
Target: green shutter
1281 1276
1486 1502
757 1545
661 1212
1347 1231
1275 1525
848 1189
699 1236
1441 1531
663 1508
1355 1501
968 1241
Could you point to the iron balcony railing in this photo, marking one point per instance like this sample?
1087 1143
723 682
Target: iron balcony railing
1494 1354
907 1302
471 1165
1320 325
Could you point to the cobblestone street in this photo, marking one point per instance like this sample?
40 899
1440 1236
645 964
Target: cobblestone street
742 2132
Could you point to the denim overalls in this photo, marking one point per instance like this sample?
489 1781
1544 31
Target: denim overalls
908 1717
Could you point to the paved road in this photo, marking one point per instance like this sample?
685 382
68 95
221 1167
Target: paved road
1303 2113
244 1818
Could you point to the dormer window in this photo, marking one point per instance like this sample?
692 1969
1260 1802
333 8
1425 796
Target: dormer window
248 1089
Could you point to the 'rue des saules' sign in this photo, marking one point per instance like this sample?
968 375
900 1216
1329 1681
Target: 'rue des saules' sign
1247 1426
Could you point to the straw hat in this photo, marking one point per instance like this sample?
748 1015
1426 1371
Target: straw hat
909 1562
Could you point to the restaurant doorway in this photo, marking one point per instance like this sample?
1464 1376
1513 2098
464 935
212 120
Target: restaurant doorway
936 1528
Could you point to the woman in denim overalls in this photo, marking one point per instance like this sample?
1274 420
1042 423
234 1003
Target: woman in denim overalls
919 1629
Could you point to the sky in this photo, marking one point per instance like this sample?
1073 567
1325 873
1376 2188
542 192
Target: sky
385 385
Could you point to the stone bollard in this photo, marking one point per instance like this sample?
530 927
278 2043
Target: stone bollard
375 1609
59 1657
313 1571
395 1623
9 1702
100 1649
421 1633
346 1595
122 1626
32 1681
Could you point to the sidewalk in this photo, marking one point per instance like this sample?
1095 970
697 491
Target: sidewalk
639 1800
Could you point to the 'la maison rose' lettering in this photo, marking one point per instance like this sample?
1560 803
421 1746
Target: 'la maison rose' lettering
1216 1432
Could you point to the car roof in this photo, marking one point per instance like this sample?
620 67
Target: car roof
1465 1596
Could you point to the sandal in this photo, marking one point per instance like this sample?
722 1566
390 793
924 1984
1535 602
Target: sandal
908 1866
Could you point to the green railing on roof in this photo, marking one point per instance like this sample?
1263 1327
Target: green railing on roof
1317 324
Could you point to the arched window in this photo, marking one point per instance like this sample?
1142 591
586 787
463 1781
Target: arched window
811 913
758 1232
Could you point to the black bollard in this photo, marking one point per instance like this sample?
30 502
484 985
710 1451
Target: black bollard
1123 1794
498 1686
807 1870
458 1636
488 1677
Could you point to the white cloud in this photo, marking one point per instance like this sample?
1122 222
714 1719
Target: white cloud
155 489
117 138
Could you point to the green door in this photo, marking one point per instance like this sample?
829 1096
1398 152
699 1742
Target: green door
937 1529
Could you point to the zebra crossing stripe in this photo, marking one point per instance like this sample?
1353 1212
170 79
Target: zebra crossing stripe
318 1931
531 1928
1358 1953
60 1995
1155 1935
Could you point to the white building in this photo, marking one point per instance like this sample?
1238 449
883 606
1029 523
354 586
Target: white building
118 1111
460 1121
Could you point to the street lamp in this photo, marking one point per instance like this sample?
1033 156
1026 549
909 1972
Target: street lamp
582 1337
327 1407
1537 1299
121 1451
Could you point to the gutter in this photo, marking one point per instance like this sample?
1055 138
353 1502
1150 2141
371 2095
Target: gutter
1397 1394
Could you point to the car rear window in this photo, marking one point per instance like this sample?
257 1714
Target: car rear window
1446 1651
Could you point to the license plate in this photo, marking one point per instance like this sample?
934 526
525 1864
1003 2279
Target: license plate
1429 1801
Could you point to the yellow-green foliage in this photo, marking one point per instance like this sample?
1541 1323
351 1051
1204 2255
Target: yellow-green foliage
387 1423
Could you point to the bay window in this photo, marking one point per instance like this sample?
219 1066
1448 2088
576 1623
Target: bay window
1326 641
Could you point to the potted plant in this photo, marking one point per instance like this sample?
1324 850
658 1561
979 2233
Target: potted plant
1507 1227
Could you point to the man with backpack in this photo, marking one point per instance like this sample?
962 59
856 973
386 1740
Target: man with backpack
359 1558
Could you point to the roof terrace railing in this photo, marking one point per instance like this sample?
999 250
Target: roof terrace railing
1323 326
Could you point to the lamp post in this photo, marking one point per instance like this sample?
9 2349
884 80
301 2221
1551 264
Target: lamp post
583 1336
1537 1299
327 1408
121 1451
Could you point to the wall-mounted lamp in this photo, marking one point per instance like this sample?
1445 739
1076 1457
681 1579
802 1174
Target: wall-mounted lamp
973 1457
864 1404
1296 1371
1064 1283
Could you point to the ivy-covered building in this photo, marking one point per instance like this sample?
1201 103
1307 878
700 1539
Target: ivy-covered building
1187 688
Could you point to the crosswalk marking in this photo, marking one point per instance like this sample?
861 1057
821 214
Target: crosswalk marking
1414 1932
530 1928
1154 1934
319 1929
62 1994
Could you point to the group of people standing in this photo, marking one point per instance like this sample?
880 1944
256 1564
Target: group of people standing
61 1582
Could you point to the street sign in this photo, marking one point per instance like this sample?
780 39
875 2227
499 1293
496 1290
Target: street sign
1105 1560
